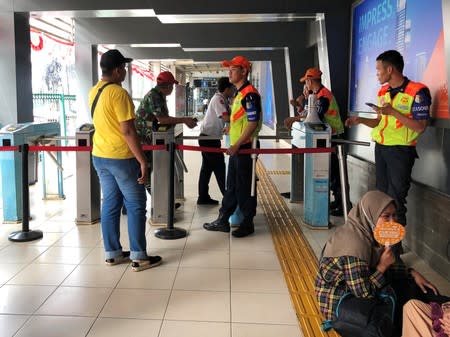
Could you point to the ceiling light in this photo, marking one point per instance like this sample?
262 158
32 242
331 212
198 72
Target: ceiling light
156 45
231 49
233 18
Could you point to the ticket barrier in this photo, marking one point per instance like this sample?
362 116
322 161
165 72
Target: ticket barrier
88 185
11 164
165 135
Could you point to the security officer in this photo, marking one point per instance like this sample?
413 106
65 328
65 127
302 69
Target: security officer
403 112
245 123
328 111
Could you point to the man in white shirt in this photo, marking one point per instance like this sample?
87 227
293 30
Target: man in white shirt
217 114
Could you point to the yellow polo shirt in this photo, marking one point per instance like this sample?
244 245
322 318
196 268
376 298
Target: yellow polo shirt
113 107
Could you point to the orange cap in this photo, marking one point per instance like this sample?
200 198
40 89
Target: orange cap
311 73
240 61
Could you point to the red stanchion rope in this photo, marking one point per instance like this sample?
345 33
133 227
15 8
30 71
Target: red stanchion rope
9 148
258 151
178 147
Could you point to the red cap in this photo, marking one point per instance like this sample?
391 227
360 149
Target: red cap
166 77
239 61
311 73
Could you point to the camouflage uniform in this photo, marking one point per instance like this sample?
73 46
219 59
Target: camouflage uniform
153 105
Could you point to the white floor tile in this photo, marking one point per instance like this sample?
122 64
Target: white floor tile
7 271
47 239
194 329
208 279
205 258
200 238
136 303
43 274
262 308
261 240
119 327
158 278
95 276
18 253
265 281
23 299
63 255
171 257
153 242
75 301
254 260
265 330
57 226
53 326
199 306
76 238
9 324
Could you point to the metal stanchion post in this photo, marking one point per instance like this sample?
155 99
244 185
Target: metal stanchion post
171 232
253 156
25 234
343 176
343 169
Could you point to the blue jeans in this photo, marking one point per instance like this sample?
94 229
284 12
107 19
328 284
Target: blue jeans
118 181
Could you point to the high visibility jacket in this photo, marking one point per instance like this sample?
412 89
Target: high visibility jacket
389 130
332 116
238 117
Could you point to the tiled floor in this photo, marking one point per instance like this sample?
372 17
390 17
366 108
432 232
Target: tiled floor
210 284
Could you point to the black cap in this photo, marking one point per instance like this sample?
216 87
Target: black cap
113 59
223 83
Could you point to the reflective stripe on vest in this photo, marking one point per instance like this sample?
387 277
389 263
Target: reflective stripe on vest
238 118
332 115
390 131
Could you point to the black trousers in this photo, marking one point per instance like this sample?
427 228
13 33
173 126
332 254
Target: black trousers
393 166
239 181
335 178
211 162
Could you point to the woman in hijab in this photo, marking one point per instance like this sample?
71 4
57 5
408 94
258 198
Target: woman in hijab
353 262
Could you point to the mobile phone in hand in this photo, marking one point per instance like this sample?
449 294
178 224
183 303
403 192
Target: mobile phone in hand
372 105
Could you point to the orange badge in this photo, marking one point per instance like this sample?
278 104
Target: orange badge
389 233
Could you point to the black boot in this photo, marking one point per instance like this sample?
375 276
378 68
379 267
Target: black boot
221 224
245 228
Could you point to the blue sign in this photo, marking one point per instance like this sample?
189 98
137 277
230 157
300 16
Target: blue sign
414 28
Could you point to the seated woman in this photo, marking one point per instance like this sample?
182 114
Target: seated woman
353 262
419 320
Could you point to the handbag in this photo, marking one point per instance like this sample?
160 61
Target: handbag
363 317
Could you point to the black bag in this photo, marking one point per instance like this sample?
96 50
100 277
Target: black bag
364 317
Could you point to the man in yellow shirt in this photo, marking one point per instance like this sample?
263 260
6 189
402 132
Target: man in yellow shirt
120 164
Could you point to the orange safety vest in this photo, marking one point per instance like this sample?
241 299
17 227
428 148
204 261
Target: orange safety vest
389 130
332 116
238 118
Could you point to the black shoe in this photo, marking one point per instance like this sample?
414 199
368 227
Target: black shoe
337 212
207 202
150 262
243 231
335 204
177 205
125 257
286 195
218 225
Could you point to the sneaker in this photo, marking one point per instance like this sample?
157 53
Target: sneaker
243 231
209 201
120 259
286 195
150 262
